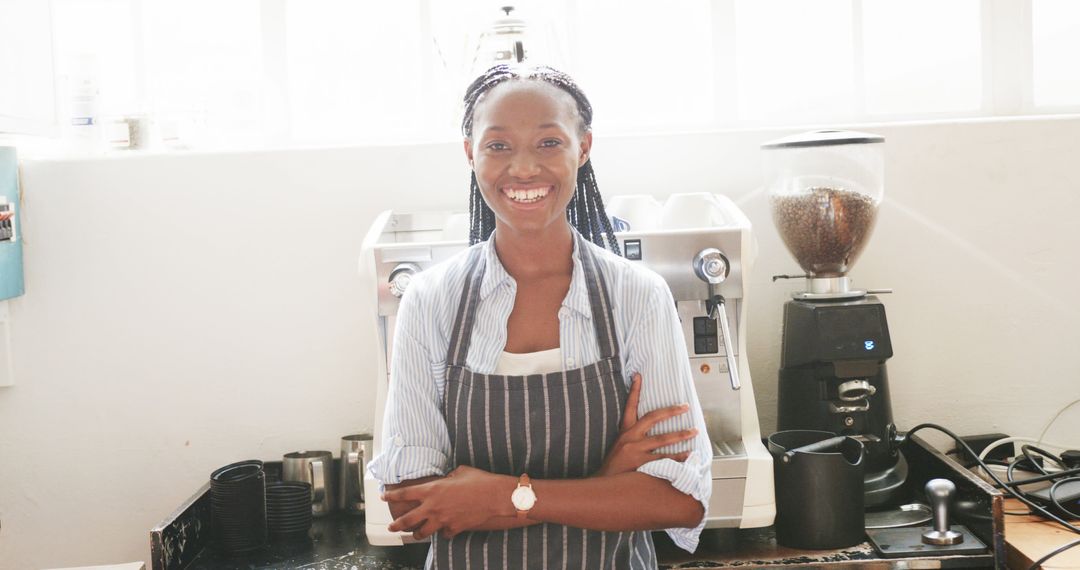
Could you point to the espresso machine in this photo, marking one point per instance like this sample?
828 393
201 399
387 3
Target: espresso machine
701 244
824 191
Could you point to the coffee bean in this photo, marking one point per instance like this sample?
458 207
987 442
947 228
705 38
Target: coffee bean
825 228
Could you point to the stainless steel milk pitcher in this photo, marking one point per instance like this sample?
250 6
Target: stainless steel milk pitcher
317 468
355 453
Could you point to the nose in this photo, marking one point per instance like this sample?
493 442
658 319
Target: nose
524 165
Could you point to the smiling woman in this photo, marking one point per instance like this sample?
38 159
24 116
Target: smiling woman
566 132
518 429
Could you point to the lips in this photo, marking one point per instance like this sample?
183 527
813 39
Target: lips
526 194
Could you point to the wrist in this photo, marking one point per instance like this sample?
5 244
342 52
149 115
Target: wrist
505 486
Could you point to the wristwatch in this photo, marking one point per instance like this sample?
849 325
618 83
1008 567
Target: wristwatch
523 496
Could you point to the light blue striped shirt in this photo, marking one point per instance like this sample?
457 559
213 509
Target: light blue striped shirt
415 442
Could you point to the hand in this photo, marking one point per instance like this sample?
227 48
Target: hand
634 447
464 499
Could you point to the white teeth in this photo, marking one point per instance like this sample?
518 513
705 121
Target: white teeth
526 195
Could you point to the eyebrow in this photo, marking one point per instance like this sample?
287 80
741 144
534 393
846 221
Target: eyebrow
543 126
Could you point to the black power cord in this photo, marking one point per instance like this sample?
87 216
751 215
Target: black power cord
1054 499
1050 555
1008 488
1040 478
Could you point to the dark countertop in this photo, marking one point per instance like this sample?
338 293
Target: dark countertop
182 540
338 543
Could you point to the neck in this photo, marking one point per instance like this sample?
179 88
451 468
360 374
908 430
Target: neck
531 256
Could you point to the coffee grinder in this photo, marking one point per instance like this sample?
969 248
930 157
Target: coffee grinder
824 191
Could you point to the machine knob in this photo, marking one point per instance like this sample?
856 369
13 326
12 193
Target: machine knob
400 278
940 493
711 266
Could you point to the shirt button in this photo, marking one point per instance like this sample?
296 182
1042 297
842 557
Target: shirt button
569 361
399 441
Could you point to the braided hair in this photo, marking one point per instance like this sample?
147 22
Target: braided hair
586 209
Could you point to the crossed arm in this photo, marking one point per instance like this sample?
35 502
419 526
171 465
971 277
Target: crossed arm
617 498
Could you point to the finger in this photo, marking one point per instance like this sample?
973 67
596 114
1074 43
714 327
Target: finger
425 531
646 422
658 441
632 399
449 532
680 457
408 521
398 495
410 493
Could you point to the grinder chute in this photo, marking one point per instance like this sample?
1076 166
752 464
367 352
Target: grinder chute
824 190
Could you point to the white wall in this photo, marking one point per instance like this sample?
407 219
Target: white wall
185 311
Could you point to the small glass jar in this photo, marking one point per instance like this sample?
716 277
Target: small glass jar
824 191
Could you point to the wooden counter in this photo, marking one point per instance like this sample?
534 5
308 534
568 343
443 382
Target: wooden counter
1029 538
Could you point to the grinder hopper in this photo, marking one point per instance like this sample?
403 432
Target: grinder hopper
824 191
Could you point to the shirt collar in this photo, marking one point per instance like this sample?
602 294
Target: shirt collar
495 275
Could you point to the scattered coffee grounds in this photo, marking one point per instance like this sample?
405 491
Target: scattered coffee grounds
825 228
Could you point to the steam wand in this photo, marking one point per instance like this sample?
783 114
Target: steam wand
712 267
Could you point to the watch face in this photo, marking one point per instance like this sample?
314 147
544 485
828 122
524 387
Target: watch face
523 498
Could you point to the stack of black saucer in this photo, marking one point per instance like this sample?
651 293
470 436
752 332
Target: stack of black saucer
288 510
238 507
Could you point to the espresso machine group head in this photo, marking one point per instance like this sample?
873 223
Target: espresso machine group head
824 191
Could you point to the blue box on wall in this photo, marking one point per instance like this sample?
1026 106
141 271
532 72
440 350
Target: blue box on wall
11 259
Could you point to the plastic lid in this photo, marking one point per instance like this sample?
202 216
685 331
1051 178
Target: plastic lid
824 138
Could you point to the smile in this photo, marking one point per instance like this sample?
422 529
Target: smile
526 195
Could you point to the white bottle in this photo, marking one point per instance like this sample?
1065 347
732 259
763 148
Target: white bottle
84 128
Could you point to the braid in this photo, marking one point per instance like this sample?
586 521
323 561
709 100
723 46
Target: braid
586 209
601 222
476 205
579 207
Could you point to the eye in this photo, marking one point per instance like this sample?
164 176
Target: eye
550 143
497 146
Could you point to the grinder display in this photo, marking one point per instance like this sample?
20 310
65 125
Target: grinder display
824 191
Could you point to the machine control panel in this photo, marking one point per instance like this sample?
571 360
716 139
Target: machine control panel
838 331
705 340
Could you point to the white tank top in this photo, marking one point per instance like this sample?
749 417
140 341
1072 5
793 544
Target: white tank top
541 362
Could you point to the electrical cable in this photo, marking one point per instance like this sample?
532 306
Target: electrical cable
1054 500
1022 497
1046 428
1030 450
1050 555
1040 478
998 443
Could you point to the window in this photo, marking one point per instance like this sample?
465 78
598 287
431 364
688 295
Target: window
1056 44
921 56
204 73
794 59
250 73
645 64
27 104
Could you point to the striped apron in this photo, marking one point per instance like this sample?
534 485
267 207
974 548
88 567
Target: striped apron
552 426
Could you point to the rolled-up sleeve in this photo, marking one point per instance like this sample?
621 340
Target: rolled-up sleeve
414 438
656 349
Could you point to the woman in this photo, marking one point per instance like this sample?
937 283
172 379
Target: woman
512 436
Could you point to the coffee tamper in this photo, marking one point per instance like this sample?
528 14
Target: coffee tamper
940 493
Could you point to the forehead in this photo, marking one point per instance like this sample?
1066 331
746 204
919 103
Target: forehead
525 103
